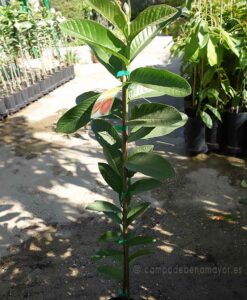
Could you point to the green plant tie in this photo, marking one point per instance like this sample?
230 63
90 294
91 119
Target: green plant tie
122 73
47 4
35 52
121 128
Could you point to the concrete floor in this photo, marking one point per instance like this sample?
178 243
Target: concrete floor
46 179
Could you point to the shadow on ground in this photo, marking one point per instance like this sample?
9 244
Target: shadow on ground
196 218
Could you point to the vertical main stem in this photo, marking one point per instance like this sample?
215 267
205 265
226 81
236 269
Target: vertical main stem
125 203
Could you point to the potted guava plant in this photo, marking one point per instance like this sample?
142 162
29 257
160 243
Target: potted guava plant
119 122
206 44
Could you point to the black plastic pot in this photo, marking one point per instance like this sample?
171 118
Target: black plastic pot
24 96
48 84
31 94
37 93
214 135
235 126
18 100
43 88
9 102
63 76
195 134
3 110
71 72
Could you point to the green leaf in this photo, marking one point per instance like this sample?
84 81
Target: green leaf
85 96
95 34
76 117
244 184
150 164
203 35
109 61
138 91
162 81
107 132
144 185
101 254
230 41
214 111
103 206
140 240
115 217
211 54
153 15
143 148
110 271
110 236
154 114
207 120
143 38
139 253
111 177
139 133
112 11
137 211
161 131
208 77
192 50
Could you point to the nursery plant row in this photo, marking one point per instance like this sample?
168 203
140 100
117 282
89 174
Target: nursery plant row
12 103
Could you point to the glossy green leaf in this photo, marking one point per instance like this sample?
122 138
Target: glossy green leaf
101 254
95 34
138 91
150 164
110 236
137 211
111 177
143 148
76 117
144 185
139 133
153 15
203 35
244 184
110 271
230 41
212 54
214 111
103 206
140 240
162 81
139 253
154 114
115 217
207 120
85 96
191 50
109 61
107 132
145 37
161 130
112 11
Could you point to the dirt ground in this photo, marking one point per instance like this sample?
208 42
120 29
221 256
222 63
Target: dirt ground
47 237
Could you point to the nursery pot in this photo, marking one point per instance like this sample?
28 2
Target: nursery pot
24 96
214 135
18 100
195 134
3 110
9 102
48 84
30 91
236 125
37 93
71 72
43 88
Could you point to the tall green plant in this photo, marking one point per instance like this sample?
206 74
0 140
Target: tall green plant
117 123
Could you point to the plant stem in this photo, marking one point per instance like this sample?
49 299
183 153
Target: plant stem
125 200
